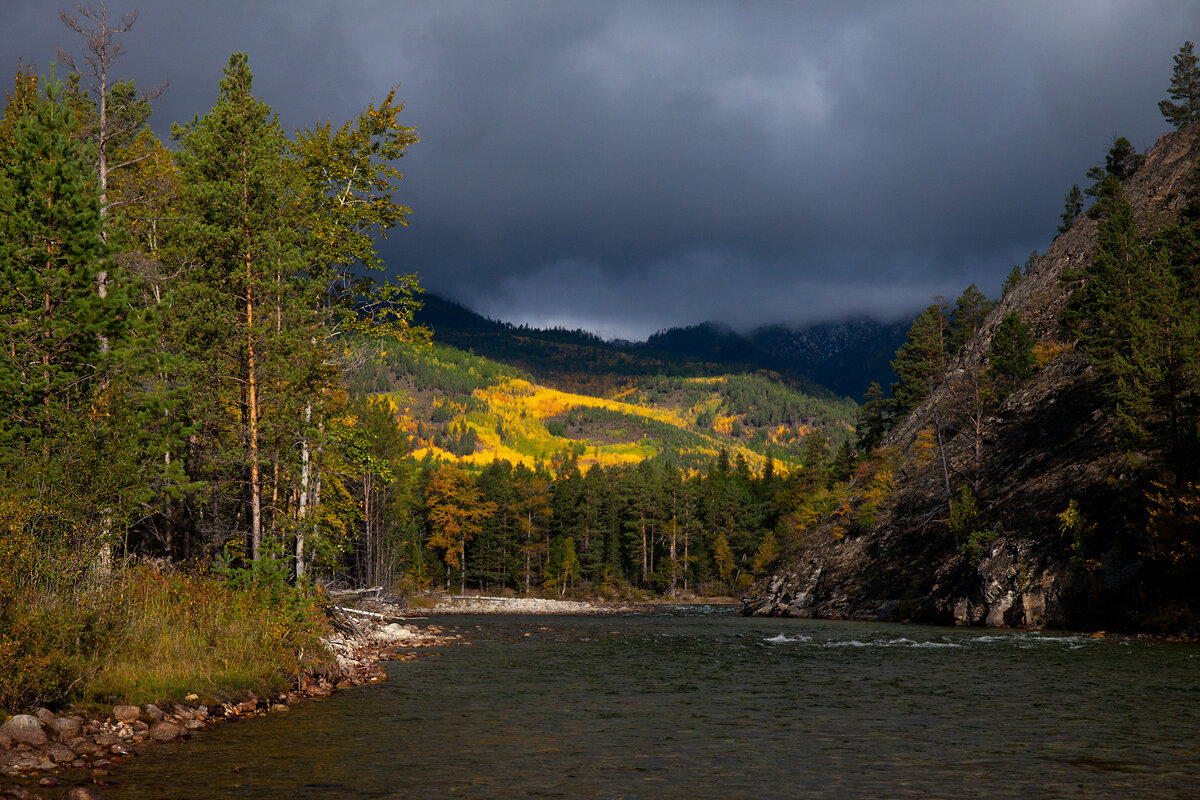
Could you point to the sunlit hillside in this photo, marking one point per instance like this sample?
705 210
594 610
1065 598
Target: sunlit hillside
457 406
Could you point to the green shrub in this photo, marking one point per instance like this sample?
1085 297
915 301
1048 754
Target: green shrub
977 544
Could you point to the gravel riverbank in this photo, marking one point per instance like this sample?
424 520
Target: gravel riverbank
478 604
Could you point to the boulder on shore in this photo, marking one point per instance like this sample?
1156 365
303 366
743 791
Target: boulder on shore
67 728
165 731
25 729
394 632
126 713
82 793
58 752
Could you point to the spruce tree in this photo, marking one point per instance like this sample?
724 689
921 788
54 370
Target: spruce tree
1185 89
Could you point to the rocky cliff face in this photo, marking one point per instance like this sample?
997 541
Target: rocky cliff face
1049 442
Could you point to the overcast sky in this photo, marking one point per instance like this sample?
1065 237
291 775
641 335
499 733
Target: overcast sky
629 166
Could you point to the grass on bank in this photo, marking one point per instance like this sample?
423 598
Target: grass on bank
187 633
74 630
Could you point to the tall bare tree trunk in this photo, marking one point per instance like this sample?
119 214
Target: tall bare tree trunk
645 561
302 503
674 563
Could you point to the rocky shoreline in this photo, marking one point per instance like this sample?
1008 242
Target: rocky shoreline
44 751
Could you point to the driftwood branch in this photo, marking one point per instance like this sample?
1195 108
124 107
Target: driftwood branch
355 594
374 615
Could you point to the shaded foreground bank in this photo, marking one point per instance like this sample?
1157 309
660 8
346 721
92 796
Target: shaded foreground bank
48 752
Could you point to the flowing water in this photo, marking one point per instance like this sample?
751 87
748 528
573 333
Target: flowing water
702 703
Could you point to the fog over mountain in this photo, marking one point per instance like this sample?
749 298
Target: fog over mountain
631 166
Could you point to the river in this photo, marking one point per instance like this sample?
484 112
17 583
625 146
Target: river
703 703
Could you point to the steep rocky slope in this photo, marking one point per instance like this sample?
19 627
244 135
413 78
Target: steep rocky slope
1048 443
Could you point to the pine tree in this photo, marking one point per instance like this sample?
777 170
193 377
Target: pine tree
1011 281
20 102
1137 319
1185 88
1011 354
237 203
1121 162
1073 207
51 250
1155 374
921 360
1099 311
968 315
872 419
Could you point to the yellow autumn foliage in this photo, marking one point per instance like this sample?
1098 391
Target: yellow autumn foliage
1046 352
723 425
925 447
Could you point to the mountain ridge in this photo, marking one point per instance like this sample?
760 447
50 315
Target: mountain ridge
842 357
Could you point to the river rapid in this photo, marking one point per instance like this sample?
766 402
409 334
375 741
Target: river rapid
699 702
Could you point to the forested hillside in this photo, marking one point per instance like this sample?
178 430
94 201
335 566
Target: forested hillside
456 406
1043 465
485 479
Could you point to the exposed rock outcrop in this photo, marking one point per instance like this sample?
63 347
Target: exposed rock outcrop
1049 441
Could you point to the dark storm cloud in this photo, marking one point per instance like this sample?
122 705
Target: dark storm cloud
629 166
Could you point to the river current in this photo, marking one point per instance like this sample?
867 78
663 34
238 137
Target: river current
698 702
